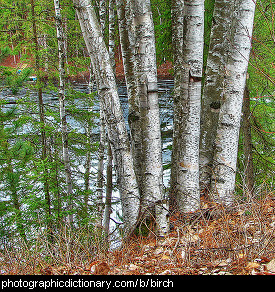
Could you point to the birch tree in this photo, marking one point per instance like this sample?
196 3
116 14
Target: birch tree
102 136
109 187
214 85
109 168
146 70
113 115
127 42
226 142
187 110
112 25
177 42
247 144
139 59
62 110
44 154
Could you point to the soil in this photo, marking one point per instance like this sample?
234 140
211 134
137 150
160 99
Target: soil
164 70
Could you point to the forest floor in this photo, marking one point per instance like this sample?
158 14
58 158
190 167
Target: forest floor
212 241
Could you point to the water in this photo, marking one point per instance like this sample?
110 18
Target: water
165 88
51 102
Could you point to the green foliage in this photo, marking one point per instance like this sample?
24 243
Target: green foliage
261 84
163 29
4 52
25 203
208 16
15 79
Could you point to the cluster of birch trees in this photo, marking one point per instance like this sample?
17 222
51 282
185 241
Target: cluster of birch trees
206 122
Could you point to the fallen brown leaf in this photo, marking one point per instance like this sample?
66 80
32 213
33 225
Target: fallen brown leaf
101 268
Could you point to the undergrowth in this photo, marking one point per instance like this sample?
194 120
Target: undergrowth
214 240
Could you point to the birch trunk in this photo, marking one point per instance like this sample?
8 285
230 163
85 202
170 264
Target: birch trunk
214 85
109 187
88 162
127 42
102 15
109 169
113 115
187 109
177 42
226 143
146 70
62 110
100 168
112 25
102 136
42 123
247 145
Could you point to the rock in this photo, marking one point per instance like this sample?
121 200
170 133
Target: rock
133 267
159 251
166 272
271 266
252 265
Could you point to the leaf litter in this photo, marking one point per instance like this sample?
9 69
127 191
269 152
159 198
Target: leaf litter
239 240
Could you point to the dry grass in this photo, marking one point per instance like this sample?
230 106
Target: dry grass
215 240
68 252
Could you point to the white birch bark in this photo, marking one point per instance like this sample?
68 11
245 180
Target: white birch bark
113 115
177 43
64 132
146 69
226 144
102 135
187 109
213 85
109 187
100 169
112 33
127 42
102 15
109 168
